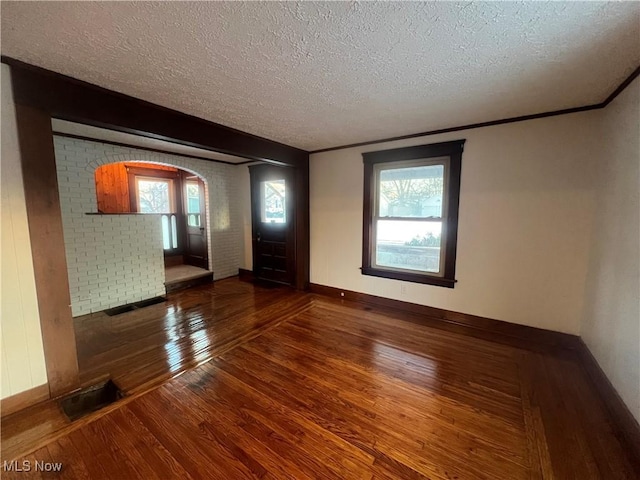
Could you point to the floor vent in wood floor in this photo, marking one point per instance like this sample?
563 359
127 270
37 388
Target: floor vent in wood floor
134 306
90 399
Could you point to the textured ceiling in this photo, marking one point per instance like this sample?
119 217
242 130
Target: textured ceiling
316 75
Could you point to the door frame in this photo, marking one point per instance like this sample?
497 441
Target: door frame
266 172
187 177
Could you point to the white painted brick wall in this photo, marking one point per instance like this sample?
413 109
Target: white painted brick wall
118 259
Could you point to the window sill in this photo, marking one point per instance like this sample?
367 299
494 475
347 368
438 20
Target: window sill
409 277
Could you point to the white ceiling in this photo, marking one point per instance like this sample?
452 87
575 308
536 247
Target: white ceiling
316 74
96 133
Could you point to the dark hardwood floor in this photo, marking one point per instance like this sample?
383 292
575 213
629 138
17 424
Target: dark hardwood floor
301 386
142 348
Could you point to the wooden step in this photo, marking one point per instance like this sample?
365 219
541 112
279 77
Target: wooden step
188 282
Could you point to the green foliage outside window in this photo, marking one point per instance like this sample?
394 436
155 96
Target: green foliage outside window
429 240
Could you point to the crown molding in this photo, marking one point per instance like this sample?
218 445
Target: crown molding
491 123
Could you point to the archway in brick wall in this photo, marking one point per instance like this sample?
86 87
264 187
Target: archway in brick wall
177 196
205 171
121 249
88 233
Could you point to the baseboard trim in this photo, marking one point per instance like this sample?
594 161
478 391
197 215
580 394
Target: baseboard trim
25 399
624 425
246 275
521 336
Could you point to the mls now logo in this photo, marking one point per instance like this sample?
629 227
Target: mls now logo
27 466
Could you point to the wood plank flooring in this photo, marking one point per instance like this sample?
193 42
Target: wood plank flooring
139 348
301 386
143 348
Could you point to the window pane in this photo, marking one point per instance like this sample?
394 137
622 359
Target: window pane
174 232
273 201
193 197
411 191
153 196
166 242
193 204
408 245
193 219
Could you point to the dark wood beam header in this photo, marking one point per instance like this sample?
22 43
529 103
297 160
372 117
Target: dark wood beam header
70 99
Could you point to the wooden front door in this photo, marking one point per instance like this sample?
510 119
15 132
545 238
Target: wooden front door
273 222
195 252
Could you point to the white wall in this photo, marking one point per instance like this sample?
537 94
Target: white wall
524 228
23 365
611 327
118 259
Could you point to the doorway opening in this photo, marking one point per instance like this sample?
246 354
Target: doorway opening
178 197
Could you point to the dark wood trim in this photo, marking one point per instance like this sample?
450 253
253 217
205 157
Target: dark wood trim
521 336
408 276
453 211
25 399
491 123
452 150
47 246
74 100
133 193
367 214
622 86
302 213
148 149
431 150
122 213
181 218
246 275
624 425
153 172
